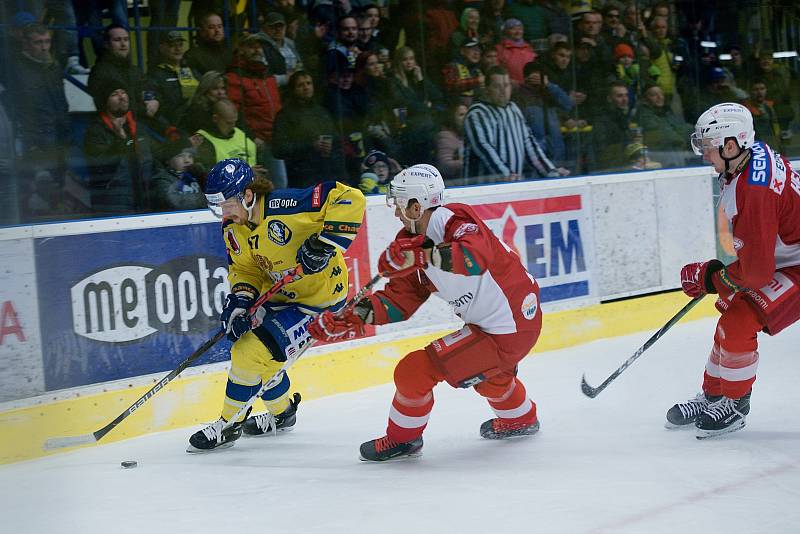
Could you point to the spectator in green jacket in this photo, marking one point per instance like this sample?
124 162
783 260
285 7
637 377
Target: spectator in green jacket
665 133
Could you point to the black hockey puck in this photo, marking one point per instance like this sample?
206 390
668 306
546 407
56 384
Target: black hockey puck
129 464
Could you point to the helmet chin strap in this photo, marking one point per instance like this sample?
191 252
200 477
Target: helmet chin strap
728 160
249 208
411 220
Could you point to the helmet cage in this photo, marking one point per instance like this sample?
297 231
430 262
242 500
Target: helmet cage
215 201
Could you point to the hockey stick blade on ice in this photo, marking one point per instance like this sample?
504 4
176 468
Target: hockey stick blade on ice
278 376
592 392
84 439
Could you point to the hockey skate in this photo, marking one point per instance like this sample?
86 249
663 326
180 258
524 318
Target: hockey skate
499 429
213 437
723 416
684 414
383 449
265 424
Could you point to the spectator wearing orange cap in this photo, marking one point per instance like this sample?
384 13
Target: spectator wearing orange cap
628 71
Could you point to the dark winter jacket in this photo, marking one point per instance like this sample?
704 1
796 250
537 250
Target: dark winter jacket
172 94
541 110
112 69
662 129
611 133
297 127
119 169
205 56
38 105
171 191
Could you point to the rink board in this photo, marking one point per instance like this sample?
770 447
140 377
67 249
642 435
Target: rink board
94 312
196 399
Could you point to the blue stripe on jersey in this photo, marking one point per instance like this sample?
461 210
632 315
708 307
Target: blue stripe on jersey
340 241
291 201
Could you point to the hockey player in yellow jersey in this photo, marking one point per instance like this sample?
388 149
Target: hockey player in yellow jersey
267 234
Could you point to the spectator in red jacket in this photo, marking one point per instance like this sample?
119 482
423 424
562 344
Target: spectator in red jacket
513 52
255 92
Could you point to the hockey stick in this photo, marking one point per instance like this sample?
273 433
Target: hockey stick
72 441
278 376
592 392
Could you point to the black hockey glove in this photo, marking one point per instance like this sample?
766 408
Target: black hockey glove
234 318
314 255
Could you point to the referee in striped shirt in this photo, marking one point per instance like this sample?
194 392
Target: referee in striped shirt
497 139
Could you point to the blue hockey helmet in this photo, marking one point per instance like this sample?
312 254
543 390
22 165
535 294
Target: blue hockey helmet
228 179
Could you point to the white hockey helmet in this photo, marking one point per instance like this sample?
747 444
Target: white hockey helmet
421 182
720 122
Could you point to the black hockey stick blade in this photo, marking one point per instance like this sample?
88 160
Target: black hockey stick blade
593 392
588 390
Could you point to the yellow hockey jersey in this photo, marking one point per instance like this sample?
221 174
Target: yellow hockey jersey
259 257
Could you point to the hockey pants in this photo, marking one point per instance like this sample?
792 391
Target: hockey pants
416 375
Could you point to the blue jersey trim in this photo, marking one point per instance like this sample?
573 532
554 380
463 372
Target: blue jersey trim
292 201
341 242
760 166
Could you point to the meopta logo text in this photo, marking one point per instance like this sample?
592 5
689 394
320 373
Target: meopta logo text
130 302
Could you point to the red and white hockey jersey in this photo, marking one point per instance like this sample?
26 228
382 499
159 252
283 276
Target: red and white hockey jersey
488 286
763 205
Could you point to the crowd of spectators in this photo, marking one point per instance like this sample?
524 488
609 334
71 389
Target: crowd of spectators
314 90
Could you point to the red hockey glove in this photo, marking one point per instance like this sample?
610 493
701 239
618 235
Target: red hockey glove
696 277
402 257
329 326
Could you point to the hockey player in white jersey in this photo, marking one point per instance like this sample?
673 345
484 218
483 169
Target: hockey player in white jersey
447 250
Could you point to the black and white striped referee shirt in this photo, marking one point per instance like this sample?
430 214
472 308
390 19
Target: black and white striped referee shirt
497 141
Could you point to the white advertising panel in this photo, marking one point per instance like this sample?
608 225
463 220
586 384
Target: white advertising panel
21 372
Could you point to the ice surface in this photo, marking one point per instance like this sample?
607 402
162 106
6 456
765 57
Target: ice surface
598 465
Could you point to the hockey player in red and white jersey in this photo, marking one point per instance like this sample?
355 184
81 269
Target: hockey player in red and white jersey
448 250
760 291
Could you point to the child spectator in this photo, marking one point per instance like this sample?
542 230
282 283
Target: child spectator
628 71
378 170
174 187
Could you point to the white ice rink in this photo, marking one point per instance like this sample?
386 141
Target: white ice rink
597 465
